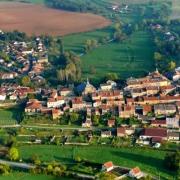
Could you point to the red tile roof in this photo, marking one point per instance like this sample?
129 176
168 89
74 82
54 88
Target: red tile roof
147 108
160 122
135 170
111 122
34 105
108 164
156 132
121 130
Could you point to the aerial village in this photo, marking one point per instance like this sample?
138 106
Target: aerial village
146 110
154 100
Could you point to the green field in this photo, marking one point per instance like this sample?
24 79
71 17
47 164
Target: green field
131 58
148 160
27 176
76 42
7 117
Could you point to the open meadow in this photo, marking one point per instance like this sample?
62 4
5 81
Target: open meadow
43 20
76 42
7 117
10 116
126 59
148 160
28 176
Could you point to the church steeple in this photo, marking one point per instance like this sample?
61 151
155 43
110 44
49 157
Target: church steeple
87 83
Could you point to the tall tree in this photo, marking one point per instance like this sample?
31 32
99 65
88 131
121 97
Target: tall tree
13 154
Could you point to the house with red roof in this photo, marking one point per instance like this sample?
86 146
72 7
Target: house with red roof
56 113
157 134
55 102
125 131
159 123
146 109
33 106
167 89
136 173
66 92
152 90
108 166
130 101
78 103
111 122
121 132
126 111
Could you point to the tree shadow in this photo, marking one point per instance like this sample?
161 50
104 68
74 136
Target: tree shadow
64 160
17 114
147 160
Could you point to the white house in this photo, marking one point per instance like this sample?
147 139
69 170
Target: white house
108 166
2 96
13 96
136 173
176 75
66 92
8 75
54 103
173 136
105 134
109 85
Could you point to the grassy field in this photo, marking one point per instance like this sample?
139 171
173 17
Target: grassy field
148 160
28 176
36 1
7 117
76 42
10 116
131 58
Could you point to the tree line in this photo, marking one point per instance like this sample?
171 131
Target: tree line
76 5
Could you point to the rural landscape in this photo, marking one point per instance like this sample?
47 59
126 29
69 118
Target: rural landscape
89 89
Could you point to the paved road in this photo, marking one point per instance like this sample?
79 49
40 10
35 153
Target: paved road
17 164
55 127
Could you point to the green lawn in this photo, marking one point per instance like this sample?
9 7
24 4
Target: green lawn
131 58
148 160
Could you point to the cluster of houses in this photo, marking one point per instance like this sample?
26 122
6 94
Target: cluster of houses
153 100
123 9
168 35
158 109
13 92
122 172
23 58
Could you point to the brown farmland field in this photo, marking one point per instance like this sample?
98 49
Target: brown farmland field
38 19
